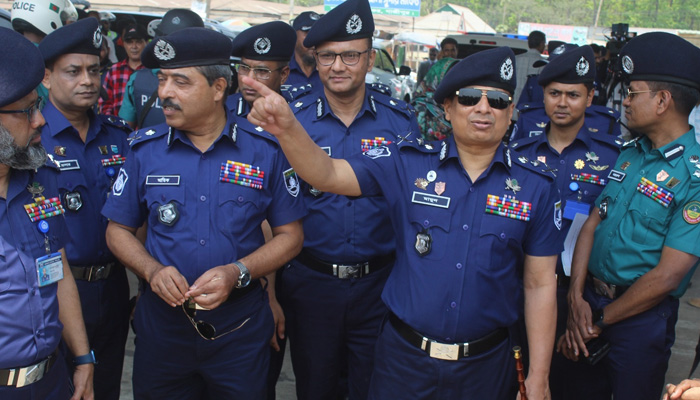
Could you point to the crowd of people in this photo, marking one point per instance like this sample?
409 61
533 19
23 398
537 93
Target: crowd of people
402 251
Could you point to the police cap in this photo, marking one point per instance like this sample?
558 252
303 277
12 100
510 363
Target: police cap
189 47
82 37
176 19
136 31
349 21
663 57
575 65
493 68
305 21
21 73
270 41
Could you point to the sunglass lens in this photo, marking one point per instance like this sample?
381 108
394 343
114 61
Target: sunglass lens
206 330
469 97
497 100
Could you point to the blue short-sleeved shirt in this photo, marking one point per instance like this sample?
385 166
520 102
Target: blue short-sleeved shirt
580 171
196 220
469 281
84 172
533 121
298 78
338 228
653 200
28 313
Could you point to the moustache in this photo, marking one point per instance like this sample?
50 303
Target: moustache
170 103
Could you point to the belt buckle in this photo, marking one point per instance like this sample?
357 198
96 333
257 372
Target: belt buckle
96 272
441 351
348 271
29 375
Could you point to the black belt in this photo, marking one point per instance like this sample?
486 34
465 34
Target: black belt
238 293
93 272
448 351
563 280
19 377
606 289
345 271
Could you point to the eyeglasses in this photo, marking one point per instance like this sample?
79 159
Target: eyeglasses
631 94
205 329
35 108
261 73
327 58
471 97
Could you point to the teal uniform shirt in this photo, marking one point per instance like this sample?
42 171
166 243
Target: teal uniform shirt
653 200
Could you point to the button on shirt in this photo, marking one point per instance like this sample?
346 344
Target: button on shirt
338 228
468 283
628 242
28 313
83 177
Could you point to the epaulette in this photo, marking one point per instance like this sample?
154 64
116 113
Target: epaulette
419 144
296 92
631 143
392 103
524 142
115 122
610 140
693 162
149 133
532 165
256 131
607 112
303 103
530 106
380 87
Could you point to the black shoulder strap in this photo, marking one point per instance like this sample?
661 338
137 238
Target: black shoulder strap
146 108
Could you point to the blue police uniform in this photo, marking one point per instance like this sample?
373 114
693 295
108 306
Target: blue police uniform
533 119
141 86
297 77
84 172
456 277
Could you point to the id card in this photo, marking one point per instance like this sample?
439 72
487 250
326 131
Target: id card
49 269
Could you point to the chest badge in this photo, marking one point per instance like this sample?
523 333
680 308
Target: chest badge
424 242
103 150
168 214
73 201
59 150
579 164
421 183
662 176
603 208
512 184
439 188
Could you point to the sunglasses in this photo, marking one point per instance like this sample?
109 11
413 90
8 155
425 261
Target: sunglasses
471 97
205 329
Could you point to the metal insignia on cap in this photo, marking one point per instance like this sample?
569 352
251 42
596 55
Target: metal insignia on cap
163 50
262 45
582 66
627 64
507 69
560 49
354 24
176 21
97 38
314 16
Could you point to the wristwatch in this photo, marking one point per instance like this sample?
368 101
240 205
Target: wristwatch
243 277
598 316
88 358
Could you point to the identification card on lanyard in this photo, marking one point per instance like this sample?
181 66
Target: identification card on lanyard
49 269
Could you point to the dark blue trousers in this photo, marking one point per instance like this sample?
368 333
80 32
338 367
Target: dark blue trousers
53 386
331 324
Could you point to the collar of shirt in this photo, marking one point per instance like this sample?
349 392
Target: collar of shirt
583 136
501 156
323 109
57 123
673 151
229 132
19 180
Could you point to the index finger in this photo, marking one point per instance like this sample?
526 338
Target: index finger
263 90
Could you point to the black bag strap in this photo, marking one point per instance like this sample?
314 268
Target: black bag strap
146 108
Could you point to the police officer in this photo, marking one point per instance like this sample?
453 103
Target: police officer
469 219
264 51
579 159
203 187
87 151
34 275
37 18
141 107
349 243
640 245
302 65
533 117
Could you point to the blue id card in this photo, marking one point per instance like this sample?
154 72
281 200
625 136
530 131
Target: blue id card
49 269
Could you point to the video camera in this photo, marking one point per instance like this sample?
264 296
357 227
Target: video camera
619 36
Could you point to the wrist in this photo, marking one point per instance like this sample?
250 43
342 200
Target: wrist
598 318
88 358
243 275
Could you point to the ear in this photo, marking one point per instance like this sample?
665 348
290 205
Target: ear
510 113
219 86
591 94
370 59
47 78
664 101
447 105
284 74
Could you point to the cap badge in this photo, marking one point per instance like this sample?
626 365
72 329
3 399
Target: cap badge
627 65
582 66
507 69
97 38
560 49
354 24
262 45
314 16
163 50
176 21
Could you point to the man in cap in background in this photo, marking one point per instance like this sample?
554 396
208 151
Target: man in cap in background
579 158
473 226
134 39
302 65
349 243
536 42
204 188
640 246
34 275
87 151
141 106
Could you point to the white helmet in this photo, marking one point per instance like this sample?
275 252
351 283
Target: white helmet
42 16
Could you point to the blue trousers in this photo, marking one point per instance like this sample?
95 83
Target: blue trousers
171 361
332 324
53 386
402 371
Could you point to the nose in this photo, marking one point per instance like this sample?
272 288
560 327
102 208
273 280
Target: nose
37 120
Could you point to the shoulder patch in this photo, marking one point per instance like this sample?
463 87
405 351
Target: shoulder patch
146 134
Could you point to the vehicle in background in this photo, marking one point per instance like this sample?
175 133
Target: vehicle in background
384 72
470 43
5 19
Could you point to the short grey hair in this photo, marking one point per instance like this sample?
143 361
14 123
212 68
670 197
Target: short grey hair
214 72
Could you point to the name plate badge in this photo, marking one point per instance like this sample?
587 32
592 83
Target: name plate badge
67 165
431 200
163 180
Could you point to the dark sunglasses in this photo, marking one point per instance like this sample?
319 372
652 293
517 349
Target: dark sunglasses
471 97
205 329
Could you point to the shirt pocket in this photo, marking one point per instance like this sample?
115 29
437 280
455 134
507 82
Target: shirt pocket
239 206
500 240
435 222
650 219
73 189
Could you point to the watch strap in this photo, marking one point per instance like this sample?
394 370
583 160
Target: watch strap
88 358
243 276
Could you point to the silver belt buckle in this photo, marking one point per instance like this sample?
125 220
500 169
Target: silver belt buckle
29 375
441 351
348 271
